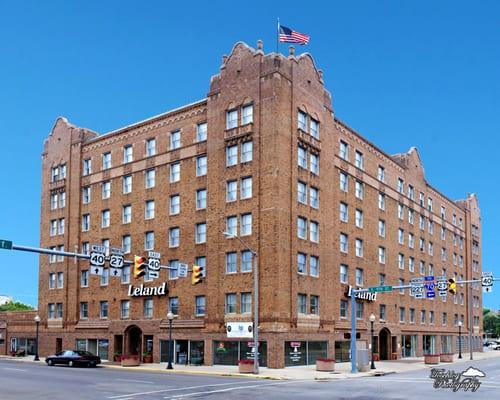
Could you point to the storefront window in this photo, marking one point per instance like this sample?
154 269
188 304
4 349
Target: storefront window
343 350
304 353
445 344
197 352
225 352
247 352
316 350
429 344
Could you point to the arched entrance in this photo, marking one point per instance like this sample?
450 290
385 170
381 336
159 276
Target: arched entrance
133 340
384 344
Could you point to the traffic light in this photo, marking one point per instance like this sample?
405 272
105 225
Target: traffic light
140 265
197 275
452 286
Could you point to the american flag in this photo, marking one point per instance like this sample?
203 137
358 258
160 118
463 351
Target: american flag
290 36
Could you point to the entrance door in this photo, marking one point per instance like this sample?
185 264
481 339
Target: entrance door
181 351
385 344
133 340
58 345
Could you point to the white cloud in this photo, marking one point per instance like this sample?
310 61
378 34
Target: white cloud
473 372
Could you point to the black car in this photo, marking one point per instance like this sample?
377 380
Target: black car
74 358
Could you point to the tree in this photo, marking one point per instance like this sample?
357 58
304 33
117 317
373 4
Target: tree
491 323
16 306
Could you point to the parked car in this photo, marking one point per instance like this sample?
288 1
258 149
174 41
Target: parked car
74 358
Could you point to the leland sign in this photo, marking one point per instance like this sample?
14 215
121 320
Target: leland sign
142 290
368 296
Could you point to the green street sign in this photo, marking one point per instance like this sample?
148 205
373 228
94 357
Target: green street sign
380 289
5 244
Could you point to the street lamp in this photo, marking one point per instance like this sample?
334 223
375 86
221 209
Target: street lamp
37 322
372 320
459 339
255 300
170 317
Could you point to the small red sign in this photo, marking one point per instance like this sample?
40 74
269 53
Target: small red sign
295 344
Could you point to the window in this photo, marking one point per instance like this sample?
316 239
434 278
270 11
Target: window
343 273
359 160
60 280
85 222
344 151
301 303
246 188
343 182
230 303
359 277
106 160
381 279
401 314
202 262
231 191
431 227
314 266
175 204
401 261
127 214
87 166
444 318
381 173
246 303
173 305
359 218
105 277
62 199
232 225
125 308
201 166
301 192
382 312
173 271
301 263
231 119
105 219
127 154
201 233
411 240
431 317
314 305
302 157
106 190
401 236
231 155
412 315
127 184
343 212
431 249
53 227
314 128
126 243
302 121
201 199
150 147
86 195
103 309
52 281
85 248
126 274
421 244
429 204
411 192
343 308
359 189
201 132
314 231
150 178
200 305
359 310
149 241
149 209
59 310
301 228
381 255
246 151
246 224
411 215
400 211
422 268
54 201
359 248
401 184
246 261
175 140
381 228
231 263
344 245
84 310
421 222
411 264
314 161
148 308
422 316
175 172
314 197
173 237
381 201
421 199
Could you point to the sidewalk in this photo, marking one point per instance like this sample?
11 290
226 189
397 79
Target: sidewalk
342 370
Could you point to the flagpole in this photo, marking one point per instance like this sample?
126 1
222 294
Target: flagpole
278 37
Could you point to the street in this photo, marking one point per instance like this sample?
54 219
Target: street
26 380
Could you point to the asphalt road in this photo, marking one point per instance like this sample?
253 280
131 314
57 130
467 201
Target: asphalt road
26 381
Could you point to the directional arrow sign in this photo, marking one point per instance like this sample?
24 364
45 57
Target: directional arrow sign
115 272
380 289
96 270
417 288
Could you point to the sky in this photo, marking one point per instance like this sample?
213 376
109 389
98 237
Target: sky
420 73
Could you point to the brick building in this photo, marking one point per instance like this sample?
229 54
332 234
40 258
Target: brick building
264 157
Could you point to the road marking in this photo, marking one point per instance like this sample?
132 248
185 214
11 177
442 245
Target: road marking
123 396
132 380
179 396
15 369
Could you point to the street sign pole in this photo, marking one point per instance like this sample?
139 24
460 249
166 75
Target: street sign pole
353 331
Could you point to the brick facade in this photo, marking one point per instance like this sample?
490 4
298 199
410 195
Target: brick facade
277 88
